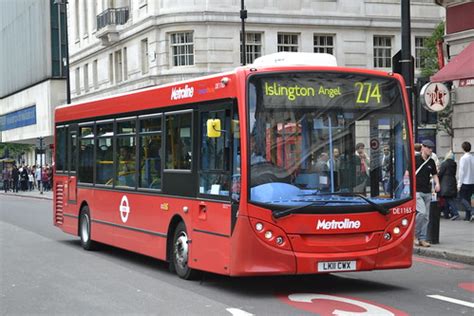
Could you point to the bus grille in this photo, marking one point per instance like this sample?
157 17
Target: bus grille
59 203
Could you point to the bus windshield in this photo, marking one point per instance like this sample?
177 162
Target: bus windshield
327 140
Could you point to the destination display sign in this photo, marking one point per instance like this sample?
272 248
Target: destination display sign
348 91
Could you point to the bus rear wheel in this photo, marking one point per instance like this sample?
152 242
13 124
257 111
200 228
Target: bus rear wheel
181 254
85 229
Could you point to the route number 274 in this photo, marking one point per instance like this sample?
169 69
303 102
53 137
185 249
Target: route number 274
367 92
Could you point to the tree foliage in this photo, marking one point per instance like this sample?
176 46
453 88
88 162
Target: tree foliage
430 67
12 150
430 53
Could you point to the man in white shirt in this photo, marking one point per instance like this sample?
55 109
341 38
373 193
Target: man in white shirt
466 177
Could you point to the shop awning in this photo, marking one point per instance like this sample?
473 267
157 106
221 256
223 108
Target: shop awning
460 67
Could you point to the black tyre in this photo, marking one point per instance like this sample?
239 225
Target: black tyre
85 229
180 254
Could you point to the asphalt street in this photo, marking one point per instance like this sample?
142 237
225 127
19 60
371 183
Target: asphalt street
44 271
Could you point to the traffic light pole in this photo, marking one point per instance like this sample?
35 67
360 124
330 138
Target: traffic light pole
41 164
406 60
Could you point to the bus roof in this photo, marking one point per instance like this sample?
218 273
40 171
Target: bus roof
199 89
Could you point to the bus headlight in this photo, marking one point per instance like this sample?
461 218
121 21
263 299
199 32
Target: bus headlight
259 226
396 230
404 222
268 234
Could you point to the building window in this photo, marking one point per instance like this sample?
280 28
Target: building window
78 82
125 63
86 77
118 66
253 46
382 51
144 59
323 44
94 15
95 80
287 42
111 68
420 47
85 18
182 48
76 21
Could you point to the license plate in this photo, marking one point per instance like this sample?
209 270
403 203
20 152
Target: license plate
332 266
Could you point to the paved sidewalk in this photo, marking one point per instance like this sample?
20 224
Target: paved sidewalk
456 241
456 238
47 195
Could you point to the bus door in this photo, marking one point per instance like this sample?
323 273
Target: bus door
72 165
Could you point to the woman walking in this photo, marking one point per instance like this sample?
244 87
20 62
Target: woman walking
447 177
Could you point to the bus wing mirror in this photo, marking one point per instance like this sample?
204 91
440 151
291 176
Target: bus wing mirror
214 128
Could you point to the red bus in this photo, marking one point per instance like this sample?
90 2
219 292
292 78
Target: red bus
273 168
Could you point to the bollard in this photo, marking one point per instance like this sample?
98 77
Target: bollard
433 226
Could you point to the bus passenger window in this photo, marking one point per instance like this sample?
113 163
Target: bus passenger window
179 141
104 154
126 161
86 154
61 150
150 152
125 152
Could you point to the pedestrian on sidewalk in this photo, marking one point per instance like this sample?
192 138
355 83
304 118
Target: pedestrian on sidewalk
31 179
425 169
6 173
38 177
466 178
45 179
15 179
449 192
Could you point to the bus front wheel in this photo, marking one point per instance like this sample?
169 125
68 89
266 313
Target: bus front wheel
85 229
181 254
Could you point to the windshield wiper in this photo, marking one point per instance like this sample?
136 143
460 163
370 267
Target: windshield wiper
282 213
380 208
288 211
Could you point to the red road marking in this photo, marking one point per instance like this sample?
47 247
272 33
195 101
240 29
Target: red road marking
439 263
468 286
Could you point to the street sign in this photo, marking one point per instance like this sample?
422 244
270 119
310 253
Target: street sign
397 64
434 96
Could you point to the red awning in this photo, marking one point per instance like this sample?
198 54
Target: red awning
460 67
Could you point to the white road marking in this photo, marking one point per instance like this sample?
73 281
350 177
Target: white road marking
238 312
452 300
370 309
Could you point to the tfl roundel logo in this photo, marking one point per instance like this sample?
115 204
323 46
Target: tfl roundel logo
124 209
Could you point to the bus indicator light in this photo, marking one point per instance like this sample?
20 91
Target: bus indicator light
279 240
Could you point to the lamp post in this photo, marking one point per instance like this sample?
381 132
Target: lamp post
64 59
243 16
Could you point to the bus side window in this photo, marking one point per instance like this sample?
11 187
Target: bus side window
150 152
214 168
